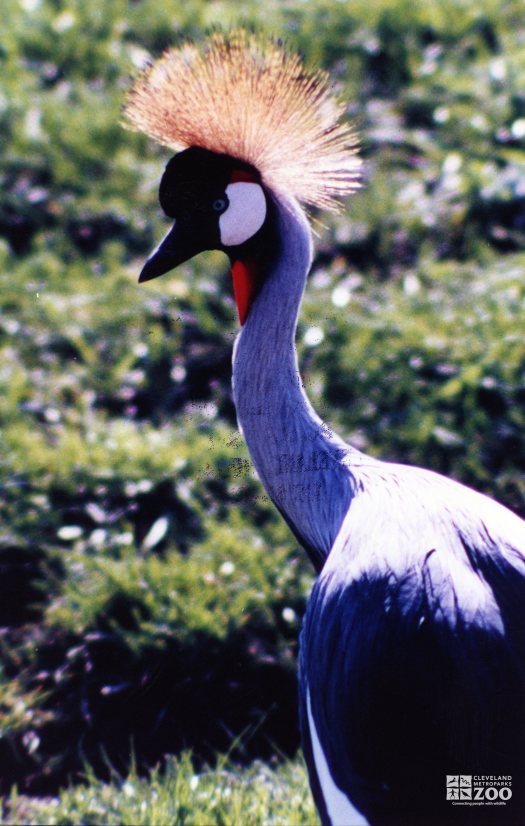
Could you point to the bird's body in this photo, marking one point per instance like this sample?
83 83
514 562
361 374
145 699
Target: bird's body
412 651
413 645
412 663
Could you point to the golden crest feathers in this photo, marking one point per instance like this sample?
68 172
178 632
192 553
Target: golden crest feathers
242 96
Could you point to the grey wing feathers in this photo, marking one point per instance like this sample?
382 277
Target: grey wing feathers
413 648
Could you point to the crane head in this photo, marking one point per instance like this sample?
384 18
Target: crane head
248 97
246 118
217 203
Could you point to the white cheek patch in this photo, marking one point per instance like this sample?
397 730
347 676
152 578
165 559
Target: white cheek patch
245 214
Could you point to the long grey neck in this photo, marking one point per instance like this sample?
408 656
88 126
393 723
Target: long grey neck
297 457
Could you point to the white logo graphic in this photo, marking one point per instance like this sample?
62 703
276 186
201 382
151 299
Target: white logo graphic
478 790
459 786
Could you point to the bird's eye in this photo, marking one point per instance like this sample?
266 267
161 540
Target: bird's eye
219 205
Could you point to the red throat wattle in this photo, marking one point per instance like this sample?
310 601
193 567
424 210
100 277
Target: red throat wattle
244 274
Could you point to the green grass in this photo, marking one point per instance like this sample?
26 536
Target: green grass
225 796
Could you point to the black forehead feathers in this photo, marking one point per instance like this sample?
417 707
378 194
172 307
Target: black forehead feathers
194 177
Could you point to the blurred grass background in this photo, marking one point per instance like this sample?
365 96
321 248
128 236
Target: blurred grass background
150 595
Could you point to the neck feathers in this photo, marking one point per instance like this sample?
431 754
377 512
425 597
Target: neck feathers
295 454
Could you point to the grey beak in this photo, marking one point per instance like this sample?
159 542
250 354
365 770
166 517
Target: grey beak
177 246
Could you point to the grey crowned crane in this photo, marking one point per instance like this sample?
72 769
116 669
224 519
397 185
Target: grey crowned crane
412 655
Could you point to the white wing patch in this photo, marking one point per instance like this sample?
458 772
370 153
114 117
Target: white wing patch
340 811
245 214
